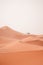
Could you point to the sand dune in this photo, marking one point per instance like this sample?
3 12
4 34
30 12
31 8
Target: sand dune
19 46
19 49
8 35
6 40
33 40
8 32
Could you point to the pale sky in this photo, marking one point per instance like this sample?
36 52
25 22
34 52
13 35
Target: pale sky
22 15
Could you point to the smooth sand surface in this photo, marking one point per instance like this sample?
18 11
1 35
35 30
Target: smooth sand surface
22 58
16 53
4 40
17 46
20 49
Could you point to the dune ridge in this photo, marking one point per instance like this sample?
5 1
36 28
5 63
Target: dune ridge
8 32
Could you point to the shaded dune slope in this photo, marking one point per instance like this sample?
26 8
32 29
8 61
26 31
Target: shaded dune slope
37 40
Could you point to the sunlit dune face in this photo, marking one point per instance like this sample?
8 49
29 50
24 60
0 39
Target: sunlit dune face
8 32
6 40
5 27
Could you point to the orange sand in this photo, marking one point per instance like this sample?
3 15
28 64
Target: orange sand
8 32
20 49
22 58
33 40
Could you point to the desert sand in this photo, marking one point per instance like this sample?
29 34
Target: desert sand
22 58
37 40
8 32
20 49
21 54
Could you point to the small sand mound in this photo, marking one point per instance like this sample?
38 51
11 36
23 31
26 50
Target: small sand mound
33 40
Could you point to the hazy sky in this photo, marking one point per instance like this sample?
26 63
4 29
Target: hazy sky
22 15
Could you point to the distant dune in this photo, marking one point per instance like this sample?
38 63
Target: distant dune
37 40
8 32
7 35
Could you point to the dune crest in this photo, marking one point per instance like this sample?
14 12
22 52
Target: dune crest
8 32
